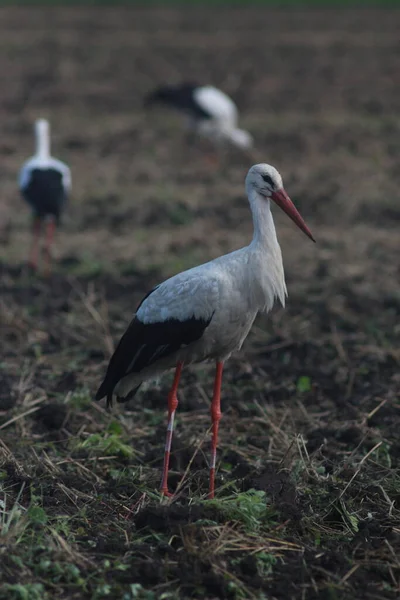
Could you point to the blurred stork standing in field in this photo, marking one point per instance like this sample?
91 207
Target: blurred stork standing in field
205 312
212 114
45 183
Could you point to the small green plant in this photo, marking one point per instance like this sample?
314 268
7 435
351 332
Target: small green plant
12 517
383 455
237 591
303 384
265 563
27 591
102 591
37 515
249 508
107 443
136 590
80 399
349 519
59 572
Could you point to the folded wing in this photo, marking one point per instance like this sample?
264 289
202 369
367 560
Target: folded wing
164 323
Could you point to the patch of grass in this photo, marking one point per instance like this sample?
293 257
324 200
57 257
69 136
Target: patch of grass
303 384
12 523
265 563
80 399
35 546
107 443
27 591
248 508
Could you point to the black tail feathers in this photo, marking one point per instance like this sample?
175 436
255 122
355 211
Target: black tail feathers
104 390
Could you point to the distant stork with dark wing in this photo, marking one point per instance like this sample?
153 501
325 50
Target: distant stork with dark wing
212 114
45 183
205 312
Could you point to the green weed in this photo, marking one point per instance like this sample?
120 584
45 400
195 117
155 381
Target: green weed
80 399
249 508
106 443
303 384
27 591
265 563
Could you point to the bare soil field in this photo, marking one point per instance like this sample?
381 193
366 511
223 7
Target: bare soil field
307 505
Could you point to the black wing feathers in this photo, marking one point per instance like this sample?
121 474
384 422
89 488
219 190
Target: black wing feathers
144 344
45 192
180 97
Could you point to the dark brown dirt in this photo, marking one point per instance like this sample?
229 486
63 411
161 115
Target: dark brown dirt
311 404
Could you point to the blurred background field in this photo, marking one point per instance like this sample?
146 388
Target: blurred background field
311 406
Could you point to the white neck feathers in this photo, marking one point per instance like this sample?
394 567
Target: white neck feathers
42 135
266 247
264 227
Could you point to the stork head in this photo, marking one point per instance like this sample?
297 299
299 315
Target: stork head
266 181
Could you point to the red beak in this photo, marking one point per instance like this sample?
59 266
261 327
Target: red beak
284 202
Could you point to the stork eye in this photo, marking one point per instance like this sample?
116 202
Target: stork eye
268 180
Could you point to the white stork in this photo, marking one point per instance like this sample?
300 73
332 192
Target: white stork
205 312
212 113
45 183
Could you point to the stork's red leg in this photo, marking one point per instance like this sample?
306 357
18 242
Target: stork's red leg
51 225
34 251
216 417
172 406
